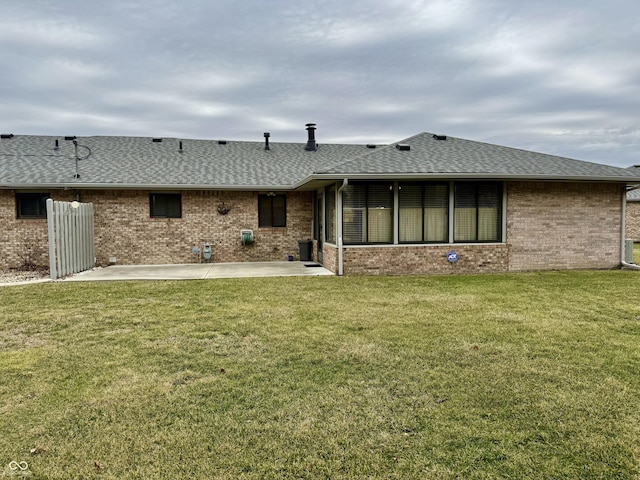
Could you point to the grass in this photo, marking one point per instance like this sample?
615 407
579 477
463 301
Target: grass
493 376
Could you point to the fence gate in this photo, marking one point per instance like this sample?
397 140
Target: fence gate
71 242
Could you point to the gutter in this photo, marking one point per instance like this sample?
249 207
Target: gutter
345 183
632 179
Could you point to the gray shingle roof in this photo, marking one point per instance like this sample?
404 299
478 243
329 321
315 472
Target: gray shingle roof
136 162
130 161
459 157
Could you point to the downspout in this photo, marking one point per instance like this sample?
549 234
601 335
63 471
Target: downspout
344 185
631 266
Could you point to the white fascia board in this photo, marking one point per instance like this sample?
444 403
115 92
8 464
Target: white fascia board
468 176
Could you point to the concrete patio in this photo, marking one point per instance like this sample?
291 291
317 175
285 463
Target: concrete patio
201 271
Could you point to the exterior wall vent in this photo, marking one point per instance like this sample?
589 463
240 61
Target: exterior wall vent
7 135
156 140
403 147
440 137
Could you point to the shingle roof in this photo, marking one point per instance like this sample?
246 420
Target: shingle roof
130 161
428 155
139 162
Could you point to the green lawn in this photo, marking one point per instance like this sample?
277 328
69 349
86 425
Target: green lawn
489 376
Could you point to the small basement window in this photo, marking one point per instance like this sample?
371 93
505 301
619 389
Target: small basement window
31 205
165 205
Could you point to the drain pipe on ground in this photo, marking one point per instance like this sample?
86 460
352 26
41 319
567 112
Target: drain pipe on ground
344 185
623 262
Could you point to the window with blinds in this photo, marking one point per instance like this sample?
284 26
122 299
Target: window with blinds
423 212
367 213
478 212
330 213
272 210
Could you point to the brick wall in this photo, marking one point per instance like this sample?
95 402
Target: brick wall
633 221
424 259
549 226
23 240
563 225
125 230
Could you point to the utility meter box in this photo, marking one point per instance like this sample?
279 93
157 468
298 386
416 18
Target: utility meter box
206 251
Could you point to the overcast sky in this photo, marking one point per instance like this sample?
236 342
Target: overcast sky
554 76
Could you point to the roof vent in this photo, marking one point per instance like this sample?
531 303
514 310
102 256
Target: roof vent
403 147
70 137
440 137
156 140
222 142
6 135
266 140
311 141
371 145
181 150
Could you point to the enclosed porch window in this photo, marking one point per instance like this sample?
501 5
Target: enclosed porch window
423 212
427 212
478 212
367 213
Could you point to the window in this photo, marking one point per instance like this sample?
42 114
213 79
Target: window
31 205
272 210
423 212
165 205
368 213
427 212
330 213
478 212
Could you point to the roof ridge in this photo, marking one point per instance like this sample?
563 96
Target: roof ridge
373 151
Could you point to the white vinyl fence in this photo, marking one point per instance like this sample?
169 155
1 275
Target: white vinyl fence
71 243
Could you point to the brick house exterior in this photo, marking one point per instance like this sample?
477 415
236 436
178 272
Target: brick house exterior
552 213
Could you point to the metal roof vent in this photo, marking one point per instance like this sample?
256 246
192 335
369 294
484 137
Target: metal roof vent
311 141
371 145
266 140
403 147
440 137
7 135
222 142
181 150
156 140
70 137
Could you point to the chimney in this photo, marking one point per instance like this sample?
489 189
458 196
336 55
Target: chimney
266 140
311 142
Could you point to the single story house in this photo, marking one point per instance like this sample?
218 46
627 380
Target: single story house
427 204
